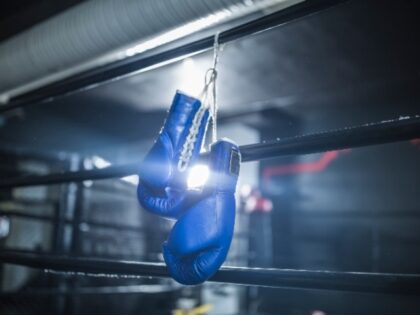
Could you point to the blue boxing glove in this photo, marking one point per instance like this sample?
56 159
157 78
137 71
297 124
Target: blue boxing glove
162 184
199 241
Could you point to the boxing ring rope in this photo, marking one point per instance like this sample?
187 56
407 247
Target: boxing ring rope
403 128
383 283
90 223
131 228
132 65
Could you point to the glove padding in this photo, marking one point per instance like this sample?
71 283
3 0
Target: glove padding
162 186
199 241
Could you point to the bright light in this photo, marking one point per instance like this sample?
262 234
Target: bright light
179 32
4 227
232 12
188 63
132 179
198 176
191 77
100 162
251 204
245 190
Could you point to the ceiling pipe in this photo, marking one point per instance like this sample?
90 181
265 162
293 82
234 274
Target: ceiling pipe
99 32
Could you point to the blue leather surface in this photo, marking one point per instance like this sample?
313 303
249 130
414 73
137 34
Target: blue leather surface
162 187
199 241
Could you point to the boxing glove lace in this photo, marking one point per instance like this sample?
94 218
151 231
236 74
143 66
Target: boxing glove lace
162 185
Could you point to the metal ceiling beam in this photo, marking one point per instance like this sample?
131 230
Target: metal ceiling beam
123 68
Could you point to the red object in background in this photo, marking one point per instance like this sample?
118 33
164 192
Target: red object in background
415 142
258 204
254 201
309 167
306 167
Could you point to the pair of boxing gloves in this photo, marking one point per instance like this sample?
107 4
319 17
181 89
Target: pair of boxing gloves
199 241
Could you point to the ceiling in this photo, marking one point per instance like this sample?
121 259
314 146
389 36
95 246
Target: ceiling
351 64
19 15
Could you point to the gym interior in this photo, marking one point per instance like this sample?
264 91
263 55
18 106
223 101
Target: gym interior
322 99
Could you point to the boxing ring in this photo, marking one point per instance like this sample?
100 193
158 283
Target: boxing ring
400 129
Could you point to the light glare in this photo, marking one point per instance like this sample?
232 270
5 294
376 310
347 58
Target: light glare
178 32
100 162
191 77
132 179
198 176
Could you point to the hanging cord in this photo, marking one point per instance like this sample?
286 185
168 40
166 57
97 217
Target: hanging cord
212 81
208 101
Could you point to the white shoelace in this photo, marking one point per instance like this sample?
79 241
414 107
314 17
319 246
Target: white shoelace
208 101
